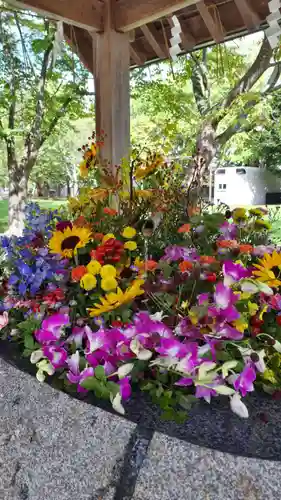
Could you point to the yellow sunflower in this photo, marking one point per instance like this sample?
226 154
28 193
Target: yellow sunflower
68 241
116 299
269 269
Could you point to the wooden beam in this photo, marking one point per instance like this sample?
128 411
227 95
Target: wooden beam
81 42
112 89
214 27
152 37
132 14
249 16
83 13
187 39
138 58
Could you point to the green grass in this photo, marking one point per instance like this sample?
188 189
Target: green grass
43 203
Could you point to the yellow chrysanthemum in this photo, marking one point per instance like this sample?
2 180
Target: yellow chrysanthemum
116 299
88 282
107 237
130 245
68 241
269 269
108 271
129 233
257 212
94 267
262 224
109 284
239 214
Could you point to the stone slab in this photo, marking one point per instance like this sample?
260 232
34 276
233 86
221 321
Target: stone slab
54 447
175 470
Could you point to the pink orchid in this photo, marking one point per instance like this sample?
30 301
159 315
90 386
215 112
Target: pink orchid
4 320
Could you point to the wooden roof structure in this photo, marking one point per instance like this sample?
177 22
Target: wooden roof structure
148 22
111 36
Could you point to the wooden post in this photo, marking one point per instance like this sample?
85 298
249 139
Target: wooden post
112 88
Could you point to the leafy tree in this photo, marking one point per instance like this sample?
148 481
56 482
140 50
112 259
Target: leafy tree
41 83
212 96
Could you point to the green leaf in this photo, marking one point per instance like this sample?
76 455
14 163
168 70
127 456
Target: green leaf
29 342
100 373
91 384
113 388
187 401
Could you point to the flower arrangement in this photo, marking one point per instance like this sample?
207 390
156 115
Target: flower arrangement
108 306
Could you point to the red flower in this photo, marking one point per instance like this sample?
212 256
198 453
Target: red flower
211 277
110 252
53 297
109 211
185 228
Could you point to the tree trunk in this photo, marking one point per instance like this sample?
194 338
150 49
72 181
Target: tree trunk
17 196
206 150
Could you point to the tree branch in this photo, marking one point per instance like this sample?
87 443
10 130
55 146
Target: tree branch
56 119
200 85
259 66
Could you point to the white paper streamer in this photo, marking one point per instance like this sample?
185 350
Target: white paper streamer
273 32
176 30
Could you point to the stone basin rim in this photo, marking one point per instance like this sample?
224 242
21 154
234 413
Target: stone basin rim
209 426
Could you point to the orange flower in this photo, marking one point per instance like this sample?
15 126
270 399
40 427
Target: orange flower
109 211
245 248
150 265
98 236
207 259
78 272
185 266
185 228
81 222
227 244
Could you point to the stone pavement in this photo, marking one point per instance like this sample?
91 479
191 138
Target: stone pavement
53 447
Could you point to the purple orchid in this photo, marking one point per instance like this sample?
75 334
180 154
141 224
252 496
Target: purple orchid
125 388
224 309
244 381
172 348
190 361
205 392
74 375
234 272
228 332
184 382
56 355
51 328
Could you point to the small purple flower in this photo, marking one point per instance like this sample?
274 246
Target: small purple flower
184 382
244 381
229 231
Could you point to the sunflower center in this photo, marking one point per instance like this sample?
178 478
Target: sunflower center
70 243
